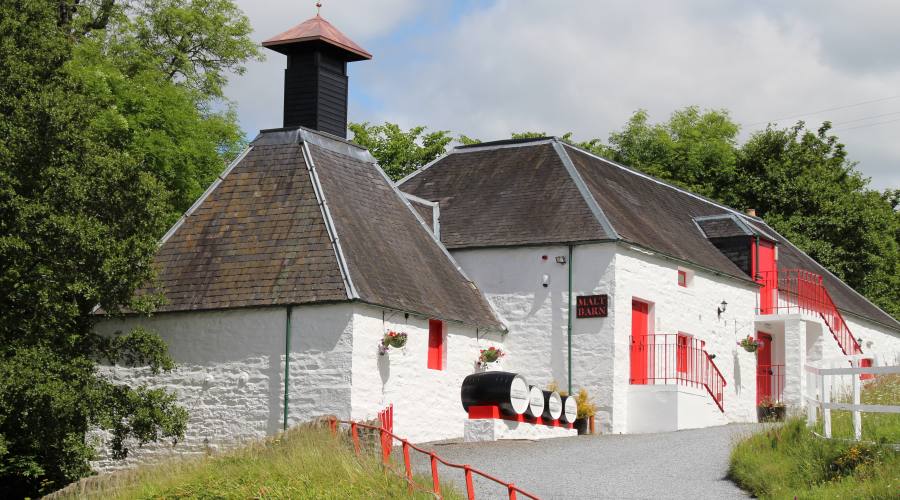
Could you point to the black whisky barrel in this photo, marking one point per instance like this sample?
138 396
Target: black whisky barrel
535 402
552 405
507 390
570 410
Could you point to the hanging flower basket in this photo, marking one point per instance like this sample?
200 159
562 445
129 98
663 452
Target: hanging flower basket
393 339
489 355
749 344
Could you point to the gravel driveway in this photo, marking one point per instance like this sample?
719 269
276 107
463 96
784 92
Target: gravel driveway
684 464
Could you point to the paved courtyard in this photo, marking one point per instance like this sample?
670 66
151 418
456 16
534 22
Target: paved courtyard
685 464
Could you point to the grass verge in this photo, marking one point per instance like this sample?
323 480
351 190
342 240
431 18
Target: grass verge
305 462
789 461
878 427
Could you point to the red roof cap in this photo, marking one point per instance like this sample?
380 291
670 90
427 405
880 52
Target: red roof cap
317 28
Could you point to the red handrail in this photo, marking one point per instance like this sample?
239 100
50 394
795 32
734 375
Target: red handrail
682 359
387 438
801 291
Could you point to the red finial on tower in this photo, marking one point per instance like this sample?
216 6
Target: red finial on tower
318 7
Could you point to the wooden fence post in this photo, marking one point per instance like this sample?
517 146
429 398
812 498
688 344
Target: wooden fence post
857 416
826 398
810 407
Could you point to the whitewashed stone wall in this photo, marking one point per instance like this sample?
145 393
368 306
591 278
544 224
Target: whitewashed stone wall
652 278
512 279
427 404
230 373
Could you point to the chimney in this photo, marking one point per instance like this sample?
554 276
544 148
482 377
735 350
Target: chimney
315 81
751 212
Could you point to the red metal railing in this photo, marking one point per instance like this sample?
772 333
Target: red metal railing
769 383
387 437
801 291
676 359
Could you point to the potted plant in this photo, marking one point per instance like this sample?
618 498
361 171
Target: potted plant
749 344
488 356
586 411
770 411
390 339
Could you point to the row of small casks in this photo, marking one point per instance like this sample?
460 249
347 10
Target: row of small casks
512 394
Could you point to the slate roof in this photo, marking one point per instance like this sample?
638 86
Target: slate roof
263 235
544 191
506 196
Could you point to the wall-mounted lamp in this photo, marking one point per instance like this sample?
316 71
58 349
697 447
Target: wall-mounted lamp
722 307
545 280
560 259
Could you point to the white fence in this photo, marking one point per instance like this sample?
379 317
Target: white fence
820 396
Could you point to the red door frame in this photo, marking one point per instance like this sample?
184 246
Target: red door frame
640 346
765 267
763 367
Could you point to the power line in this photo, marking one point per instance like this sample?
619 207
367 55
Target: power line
811 113
842 123
867 125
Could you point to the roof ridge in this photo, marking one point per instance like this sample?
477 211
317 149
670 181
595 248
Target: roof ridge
584 191
328 221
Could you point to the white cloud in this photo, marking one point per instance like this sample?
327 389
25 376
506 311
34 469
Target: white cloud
585 66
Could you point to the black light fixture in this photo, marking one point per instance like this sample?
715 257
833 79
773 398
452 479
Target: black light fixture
722 307
560 259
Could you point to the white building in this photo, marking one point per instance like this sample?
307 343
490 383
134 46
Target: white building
537 223
283 278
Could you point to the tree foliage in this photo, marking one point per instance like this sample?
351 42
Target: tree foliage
400 152
100 149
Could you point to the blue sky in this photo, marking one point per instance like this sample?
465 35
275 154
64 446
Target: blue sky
487 68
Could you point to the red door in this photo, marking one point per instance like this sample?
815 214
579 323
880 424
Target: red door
763 367
640 347
767 275
682 356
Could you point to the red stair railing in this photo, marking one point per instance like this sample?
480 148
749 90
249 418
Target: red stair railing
676 359
801 291
387 437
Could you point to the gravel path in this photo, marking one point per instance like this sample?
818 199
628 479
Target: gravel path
684 464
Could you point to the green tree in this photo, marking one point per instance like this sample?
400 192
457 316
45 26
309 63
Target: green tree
802 183
400 152
694 149
100 148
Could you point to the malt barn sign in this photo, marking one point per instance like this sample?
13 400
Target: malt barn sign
591 306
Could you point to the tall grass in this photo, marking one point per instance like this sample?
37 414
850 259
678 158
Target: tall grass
878 427
305 462
790 461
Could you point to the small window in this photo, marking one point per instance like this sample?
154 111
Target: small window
436 344
682 278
